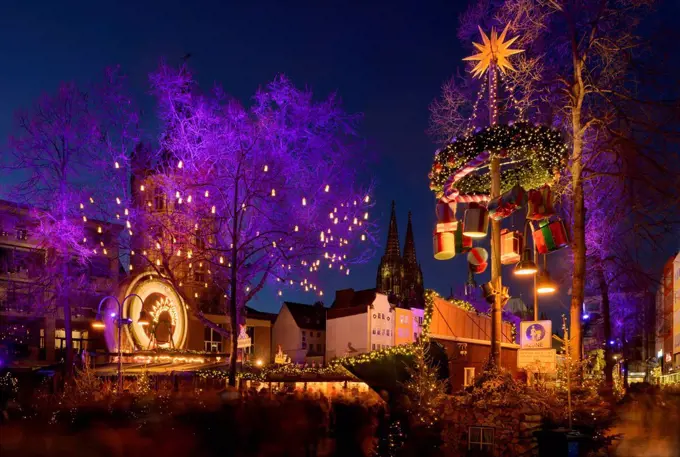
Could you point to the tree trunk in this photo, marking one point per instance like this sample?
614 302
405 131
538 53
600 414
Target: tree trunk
66 307
233 318
233 308
607 323
579 252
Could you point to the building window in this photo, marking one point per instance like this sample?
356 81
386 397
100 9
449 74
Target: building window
318 348
304 345
373 346
199 276
213 340
481 439
468 376
388 332
158 199
318 334
304 334
80 340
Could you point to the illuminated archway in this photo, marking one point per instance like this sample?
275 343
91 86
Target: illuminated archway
159 298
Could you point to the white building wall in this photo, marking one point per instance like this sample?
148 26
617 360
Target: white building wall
382 318
343 332
418 315
287 334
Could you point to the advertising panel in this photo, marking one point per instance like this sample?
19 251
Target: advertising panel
535 334
537 360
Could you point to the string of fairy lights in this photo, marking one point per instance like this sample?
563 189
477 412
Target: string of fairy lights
530 154
295 252
336 366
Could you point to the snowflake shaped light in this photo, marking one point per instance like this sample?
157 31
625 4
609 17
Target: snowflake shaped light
495 50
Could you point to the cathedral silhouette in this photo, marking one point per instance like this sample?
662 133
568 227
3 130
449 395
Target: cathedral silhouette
400 277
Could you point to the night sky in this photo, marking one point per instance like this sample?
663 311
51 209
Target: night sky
385 59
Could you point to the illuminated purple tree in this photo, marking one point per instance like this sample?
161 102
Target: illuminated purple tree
59 156
264 194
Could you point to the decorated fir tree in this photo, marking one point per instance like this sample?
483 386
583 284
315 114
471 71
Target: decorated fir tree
424 389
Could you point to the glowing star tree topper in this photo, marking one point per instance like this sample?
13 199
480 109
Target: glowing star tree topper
493 51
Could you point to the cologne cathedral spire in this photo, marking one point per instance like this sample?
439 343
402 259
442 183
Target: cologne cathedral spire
413 276
392 249
400 277
409 244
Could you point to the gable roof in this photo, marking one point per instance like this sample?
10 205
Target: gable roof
256 314
334 313
348 298
311 317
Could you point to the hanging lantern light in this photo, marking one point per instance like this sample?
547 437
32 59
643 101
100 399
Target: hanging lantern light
544 284
526 266
476 221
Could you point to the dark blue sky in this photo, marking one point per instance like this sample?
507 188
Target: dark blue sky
385 59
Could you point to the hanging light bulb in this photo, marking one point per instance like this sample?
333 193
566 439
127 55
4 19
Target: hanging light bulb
207 194
221 260
84 219
544 284
180 164
213 209
367 199
296 228
365 216
266 168
82 206
526 266
118 200
304 201
273 192
328 188
141 187
99 229
116 165
189 199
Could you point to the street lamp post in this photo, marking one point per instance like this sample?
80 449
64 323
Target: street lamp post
120 321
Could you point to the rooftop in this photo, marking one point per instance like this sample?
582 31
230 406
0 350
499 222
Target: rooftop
311 317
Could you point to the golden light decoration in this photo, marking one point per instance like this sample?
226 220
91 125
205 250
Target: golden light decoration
495 50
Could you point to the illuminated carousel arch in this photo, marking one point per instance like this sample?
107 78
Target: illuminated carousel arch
165 308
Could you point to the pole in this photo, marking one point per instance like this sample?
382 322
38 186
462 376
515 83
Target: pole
535 284
120 348
496 280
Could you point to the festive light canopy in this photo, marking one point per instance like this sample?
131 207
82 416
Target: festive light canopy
530 156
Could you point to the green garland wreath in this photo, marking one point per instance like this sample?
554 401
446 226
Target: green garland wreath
538 151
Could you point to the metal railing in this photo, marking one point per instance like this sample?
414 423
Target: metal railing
668 379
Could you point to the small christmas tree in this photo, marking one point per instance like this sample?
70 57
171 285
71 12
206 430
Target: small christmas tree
425 390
